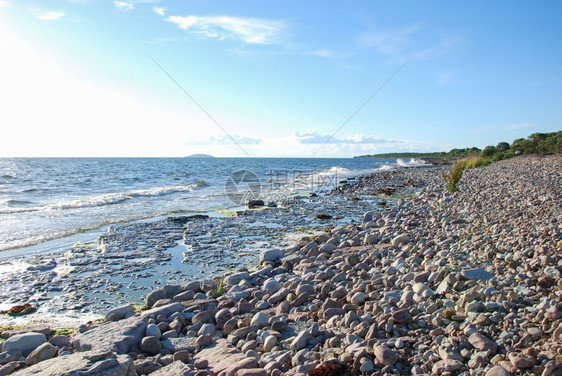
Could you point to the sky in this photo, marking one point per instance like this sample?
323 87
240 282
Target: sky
161 78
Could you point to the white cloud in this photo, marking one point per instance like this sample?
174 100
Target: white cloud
317 138
223 139
249 30
328 53
123 5
51 15
4 3
391 41
159 10
518 126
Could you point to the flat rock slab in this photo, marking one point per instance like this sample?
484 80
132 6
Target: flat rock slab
118 336
177 368
89 363
478 274
221 356
165 310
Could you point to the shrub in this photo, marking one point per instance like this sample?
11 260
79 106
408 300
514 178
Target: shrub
488 151
502 146
453 176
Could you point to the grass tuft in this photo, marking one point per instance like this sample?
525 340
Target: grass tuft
453 176
474 162
220 288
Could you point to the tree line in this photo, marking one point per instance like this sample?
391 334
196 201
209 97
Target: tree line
533 144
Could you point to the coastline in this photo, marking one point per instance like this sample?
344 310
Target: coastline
438 282
81 282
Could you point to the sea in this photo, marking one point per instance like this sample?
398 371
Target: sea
48 204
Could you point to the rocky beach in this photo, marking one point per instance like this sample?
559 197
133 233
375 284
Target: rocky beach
422 282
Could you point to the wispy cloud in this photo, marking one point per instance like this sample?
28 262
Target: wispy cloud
329 53
4 3
249 30
225 140
123 5
390 41
518 126
317 138
50 15
159 10
445 45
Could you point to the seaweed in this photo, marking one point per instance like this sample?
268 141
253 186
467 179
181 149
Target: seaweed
334 369
20 310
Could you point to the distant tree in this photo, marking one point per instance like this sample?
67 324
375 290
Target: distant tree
520 145
488 151
552 143
502 146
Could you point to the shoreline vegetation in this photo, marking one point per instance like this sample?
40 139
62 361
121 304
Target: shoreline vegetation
464 282
534 144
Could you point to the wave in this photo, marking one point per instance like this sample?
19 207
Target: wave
29 241
7 176
413 162
110 198
18 202
335 170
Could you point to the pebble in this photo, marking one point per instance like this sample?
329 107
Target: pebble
385 355
437 282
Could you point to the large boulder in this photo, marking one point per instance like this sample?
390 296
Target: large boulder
24 343
43 352
118 336
89 363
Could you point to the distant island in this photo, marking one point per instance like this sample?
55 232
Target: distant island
199 156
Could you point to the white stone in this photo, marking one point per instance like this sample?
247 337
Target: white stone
358 298
272 286
269 343
260 319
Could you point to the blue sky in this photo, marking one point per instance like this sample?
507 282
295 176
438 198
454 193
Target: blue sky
79 78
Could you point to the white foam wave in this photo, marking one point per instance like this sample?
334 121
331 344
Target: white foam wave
413 162
109 198
335 170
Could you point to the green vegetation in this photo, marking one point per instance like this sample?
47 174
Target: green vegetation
62 332
534 144
453 153
473 162
219 290
138 308
453 176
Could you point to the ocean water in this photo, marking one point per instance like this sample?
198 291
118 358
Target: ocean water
49 203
